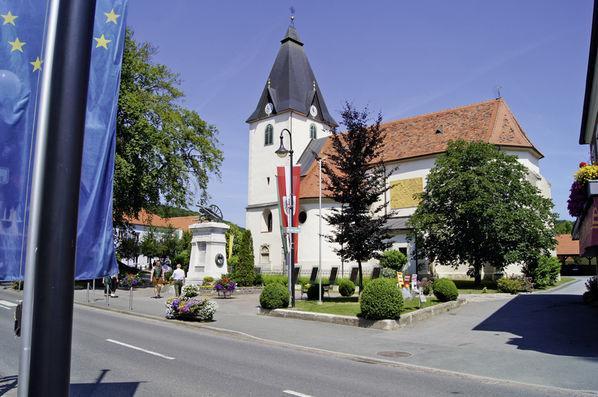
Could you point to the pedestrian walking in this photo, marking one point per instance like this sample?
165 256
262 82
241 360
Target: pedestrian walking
178 277
157 278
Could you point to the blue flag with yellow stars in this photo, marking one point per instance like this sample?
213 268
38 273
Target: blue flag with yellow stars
22 26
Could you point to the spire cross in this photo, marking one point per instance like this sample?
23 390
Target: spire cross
292 9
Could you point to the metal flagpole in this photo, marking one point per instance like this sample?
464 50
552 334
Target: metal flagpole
44 368
320 235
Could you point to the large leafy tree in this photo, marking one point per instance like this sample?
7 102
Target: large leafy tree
162 148
355 177
479 208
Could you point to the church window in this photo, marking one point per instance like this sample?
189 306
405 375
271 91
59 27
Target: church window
267 224
313 131
302 217
269 135
265 254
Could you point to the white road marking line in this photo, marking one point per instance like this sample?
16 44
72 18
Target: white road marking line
8 304
296 393
140 349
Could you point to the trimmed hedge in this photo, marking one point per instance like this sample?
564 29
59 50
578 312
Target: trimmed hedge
445 290
381 299
546 272
346 287
274 296
275 279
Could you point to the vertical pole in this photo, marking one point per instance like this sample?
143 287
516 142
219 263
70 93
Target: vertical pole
291 213
93 288
320 236
131 298
52 232
88 292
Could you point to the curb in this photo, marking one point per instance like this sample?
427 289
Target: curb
405 320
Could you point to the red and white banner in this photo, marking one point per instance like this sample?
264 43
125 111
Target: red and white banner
284 204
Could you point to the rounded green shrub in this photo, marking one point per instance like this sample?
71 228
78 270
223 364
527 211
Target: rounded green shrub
445 290
510 285
393 259
381 299
274 296
346 287
312 292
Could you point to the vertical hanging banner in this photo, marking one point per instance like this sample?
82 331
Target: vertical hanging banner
284 188
22 24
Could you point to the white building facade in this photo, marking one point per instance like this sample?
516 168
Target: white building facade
292 100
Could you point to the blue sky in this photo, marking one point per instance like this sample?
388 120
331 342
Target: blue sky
402 58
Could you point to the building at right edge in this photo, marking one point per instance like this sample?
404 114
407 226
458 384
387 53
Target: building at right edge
586 226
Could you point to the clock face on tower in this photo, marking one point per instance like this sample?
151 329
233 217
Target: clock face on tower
313 111
268 109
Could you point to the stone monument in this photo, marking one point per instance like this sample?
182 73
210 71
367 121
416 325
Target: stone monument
208 247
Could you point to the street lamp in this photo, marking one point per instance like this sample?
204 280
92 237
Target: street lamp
320 233
282 153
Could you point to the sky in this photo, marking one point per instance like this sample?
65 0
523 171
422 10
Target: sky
401 58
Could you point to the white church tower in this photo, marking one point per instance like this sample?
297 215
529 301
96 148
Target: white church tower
291 99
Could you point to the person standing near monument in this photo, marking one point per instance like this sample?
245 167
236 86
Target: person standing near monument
156 278
178 277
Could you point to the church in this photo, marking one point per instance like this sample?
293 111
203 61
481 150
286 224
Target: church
291 99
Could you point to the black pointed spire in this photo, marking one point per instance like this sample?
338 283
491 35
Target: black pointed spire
292 85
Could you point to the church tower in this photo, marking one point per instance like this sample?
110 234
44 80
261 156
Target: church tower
291 99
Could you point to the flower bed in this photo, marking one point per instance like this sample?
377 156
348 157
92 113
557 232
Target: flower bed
579 188
131 281
225 286
189 306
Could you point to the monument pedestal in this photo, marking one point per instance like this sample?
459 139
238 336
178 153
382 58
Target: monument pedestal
208 251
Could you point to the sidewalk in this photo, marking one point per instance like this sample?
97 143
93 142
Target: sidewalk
497 336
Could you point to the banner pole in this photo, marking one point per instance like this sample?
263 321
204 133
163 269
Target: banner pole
44 367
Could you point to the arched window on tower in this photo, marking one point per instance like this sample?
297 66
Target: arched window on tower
267 221
313 132
269 135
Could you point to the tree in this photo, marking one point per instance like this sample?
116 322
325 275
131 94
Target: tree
169 243
563 226
243 272
150 246
183 255
356 179
128 246
162 148
478 208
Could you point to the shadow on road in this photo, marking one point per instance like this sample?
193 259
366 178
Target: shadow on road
553 324
112 389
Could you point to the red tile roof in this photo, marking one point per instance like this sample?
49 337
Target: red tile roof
145 218
566 245
428 134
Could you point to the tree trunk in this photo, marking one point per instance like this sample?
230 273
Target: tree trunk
360 277
477 275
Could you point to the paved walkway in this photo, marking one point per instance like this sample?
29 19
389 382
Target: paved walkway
542 338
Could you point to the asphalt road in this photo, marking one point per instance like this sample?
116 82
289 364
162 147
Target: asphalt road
120 355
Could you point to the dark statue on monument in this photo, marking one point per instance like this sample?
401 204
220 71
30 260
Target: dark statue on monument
212 213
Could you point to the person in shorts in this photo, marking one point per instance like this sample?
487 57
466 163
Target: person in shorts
157 278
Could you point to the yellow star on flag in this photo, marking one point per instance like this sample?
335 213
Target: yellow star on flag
37 64
8 18
16 45
112 16
102 41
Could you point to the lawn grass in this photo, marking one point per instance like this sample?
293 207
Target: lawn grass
344 308
562 281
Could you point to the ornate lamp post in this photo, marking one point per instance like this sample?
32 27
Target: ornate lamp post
282 153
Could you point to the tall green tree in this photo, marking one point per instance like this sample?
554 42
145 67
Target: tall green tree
162 148
150 244
128 246
479 208
563 226
356 179
243 271
169 243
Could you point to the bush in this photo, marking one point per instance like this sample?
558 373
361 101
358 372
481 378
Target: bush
274 296
387 272
393 259
244 272
312 292
546 273
208 280
381 299
510 285
346 287
425 286
257 280
591 295
303 281
275 279
445 290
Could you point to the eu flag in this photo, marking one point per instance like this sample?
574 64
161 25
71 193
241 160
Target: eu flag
22 24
